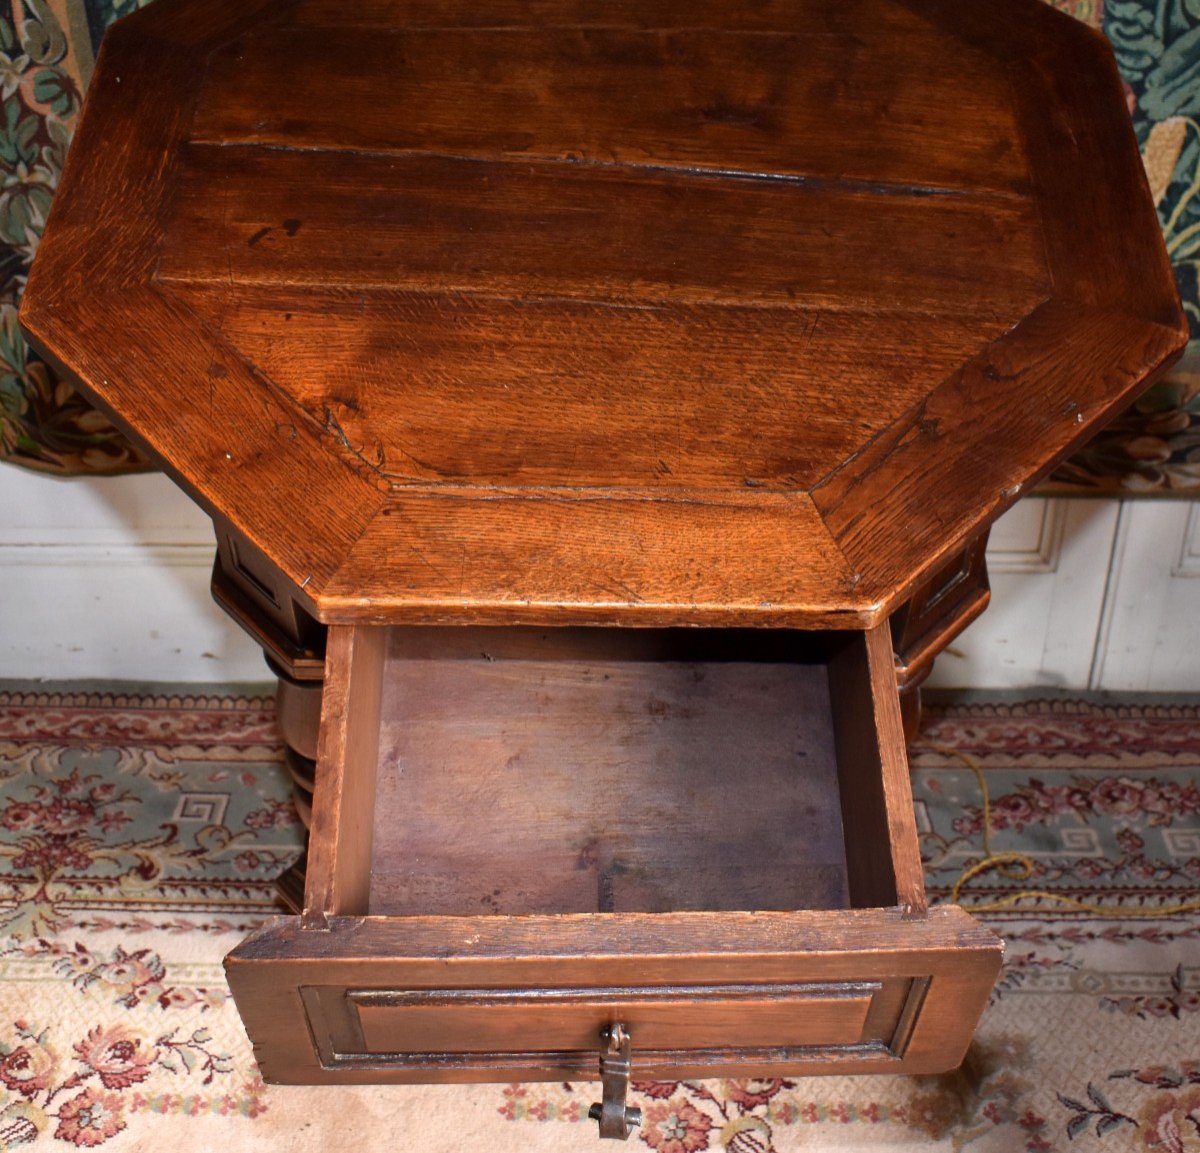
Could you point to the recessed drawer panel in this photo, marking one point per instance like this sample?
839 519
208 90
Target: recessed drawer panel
686 1017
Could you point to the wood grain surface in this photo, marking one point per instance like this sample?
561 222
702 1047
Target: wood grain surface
703 98
927 980
754 1016
644 313
340 843
534 383
527 786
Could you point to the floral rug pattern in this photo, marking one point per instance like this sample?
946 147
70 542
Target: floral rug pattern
126 823
47 49
139 834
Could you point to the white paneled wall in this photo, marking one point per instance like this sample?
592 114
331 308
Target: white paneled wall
1048 563
1088 595
1150 634
109 579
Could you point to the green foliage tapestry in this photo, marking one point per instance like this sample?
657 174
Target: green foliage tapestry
1155 446
47 48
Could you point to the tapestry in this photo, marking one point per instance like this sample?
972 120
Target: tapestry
1154 447
47 48
140 832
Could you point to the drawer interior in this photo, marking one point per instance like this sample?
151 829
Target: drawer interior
580 786
517 771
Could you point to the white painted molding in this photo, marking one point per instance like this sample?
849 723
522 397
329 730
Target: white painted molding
124 555
1028 539
125 510
1188 564
1150 633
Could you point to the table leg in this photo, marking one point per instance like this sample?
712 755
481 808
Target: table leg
298 709
910 711
256 596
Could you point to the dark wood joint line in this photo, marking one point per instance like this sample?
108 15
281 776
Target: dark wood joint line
909 1015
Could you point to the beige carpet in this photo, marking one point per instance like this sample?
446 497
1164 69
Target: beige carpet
139 833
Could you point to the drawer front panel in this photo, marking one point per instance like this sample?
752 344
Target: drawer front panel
403 1000
478 1027
473 1020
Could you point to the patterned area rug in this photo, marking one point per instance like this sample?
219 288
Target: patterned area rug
139 834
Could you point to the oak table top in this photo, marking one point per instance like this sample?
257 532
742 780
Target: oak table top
640 312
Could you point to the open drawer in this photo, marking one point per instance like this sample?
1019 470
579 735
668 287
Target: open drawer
521 837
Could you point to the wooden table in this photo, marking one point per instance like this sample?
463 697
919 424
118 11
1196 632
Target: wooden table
606 403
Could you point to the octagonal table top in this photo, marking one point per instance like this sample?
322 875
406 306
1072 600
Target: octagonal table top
605 311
